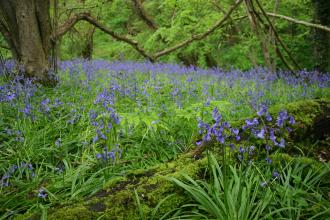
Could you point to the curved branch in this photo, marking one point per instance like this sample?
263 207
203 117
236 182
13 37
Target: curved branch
144 15
64 28
86 17
200 36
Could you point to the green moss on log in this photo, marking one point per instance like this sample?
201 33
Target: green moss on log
117 199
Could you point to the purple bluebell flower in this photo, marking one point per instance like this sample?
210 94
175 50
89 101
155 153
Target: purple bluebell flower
268 160
282 143
282 116
263 184
269 117
272 136
263 110
27 109
234 131
276 175
44 105
58 142
241 149
100 134
261 134
291 120
10 96
42 193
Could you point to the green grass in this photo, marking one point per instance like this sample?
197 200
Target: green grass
156 125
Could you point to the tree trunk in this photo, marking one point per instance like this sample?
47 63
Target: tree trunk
27 29
255 28
321 37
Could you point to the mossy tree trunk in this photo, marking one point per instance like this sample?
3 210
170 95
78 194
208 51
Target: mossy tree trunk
117 199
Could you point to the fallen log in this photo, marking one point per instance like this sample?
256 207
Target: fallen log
117 200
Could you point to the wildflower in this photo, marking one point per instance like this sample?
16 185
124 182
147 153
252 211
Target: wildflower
10 96
261 134
268 160
291 120
42 193
263 184
276 175
282 143
58 142
262 110
269 117
282 116
234 131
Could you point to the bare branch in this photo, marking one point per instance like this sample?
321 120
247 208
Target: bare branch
201 36
144 15
305 23
66 26
277 36
86 17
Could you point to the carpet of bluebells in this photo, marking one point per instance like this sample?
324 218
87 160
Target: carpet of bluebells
105 118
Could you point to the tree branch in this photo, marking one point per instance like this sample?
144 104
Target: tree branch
86 17
144 15
66 26
305 23
277 36
201 36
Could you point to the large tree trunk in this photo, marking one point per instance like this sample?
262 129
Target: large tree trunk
26 26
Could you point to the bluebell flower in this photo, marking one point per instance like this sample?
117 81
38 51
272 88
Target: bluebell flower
275 174
282 143
234 131
261 134
100 134
58 142
263 184
268 160
282 116
269 117
42 193
291 120
263 110
241 150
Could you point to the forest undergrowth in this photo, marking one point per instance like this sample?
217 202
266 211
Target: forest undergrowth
106 119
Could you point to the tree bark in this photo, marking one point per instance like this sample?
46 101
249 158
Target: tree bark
321 37
27 28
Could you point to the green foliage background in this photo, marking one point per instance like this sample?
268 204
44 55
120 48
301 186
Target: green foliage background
231 46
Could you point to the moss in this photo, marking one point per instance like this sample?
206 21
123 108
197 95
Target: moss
117 199
80 212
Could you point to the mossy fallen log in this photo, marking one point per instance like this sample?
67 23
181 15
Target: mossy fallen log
117 200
